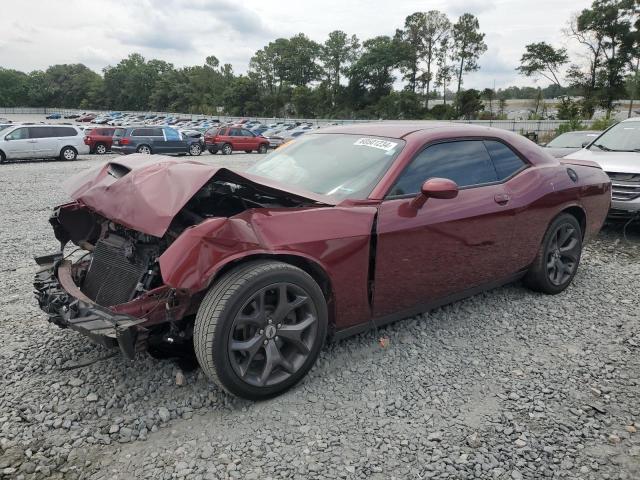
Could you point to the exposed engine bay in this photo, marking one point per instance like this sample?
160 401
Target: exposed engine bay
123 263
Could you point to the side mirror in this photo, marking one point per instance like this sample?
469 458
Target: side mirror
542 144
585 143
441 188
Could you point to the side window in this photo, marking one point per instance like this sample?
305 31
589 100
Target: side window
212 131
504 159
140 132
235 132
40 132
247 133
172 134
18 134
465 162
155 132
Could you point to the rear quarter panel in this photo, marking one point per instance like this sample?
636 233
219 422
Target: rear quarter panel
541 193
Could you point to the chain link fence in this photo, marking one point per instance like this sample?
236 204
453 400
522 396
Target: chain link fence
525 127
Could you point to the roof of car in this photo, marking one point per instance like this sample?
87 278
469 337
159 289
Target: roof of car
384 129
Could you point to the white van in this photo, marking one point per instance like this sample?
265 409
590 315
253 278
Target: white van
65 142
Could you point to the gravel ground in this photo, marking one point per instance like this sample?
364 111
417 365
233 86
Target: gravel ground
504 385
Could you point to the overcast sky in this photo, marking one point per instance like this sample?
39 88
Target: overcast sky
39 33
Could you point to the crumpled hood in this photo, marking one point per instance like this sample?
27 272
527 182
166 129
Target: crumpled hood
621 162
145 192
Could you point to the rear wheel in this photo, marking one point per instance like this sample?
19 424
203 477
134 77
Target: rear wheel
195 150
558 257
260 328
68 153
144 149
262 148
248 151
101 149
213 150
3 157
227 149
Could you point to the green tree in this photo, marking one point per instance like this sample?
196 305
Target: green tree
14 88
468 44
373 71
338 52
544 60
445 70
130 84
489 95
609 22
469 104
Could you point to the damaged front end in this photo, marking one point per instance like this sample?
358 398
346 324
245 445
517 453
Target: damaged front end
111 288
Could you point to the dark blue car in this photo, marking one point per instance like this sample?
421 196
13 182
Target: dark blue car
149 140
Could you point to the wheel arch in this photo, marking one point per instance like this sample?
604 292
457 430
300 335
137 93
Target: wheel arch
314 269
579 213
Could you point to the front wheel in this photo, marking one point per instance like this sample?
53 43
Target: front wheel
144 149
212 150
260 328
68 153
558 257
101 149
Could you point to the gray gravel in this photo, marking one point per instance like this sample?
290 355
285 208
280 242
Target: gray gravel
504 385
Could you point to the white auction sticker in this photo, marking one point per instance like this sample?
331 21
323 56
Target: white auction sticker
385 145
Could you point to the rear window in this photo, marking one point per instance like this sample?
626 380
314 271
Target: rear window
211 131
119 132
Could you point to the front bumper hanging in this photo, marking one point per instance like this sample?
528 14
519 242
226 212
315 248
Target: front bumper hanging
67 306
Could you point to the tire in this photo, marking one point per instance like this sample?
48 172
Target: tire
558 258
263 148
227 149
68 154
3 157
248 151
195 149
100 149
212 150
144 149
292 341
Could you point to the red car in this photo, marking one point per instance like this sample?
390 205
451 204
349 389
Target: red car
87 118
341 230
230 139
99 140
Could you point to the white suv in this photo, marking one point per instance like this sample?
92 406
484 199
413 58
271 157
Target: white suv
617 151
42 141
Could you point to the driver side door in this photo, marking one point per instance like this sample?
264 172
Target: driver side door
17 144
448 246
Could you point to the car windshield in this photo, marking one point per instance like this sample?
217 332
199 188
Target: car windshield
571 140
622 137
338 165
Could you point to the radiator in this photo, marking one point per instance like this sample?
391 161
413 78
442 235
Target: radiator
112 277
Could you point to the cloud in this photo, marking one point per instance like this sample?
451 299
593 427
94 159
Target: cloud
476 7
233 16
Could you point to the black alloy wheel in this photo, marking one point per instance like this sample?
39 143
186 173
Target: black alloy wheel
260 328
558 257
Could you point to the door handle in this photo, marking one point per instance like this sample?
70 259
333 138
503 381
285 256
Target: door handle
502 198
33 141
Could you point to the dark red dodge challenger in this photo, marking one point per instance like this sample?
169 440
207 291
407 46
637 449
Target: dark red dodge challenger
343 229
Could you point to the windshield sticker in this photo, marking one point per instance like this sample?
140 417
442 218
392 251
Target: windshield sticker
377 143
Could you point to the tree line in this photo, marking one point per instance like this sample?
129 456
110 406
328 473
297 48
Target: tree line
344 77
